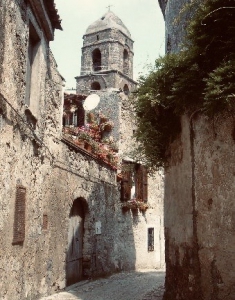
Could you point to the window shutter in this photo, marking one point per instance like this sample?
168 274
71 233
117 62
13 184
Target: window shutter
126 186
139 182
19 222
145 183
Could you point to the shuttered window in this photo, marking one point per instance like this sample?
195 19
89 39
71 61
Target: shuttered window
19 221
126 185
145 184
139 174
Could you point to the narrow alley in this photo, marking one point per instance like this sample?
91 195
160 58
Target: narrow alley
122 286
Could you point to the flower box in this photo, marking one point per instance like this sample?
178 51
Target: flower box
79 143
87 146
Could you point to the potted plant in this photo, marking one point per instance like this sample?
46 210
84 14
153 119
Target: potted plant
103 118
94 147
107 126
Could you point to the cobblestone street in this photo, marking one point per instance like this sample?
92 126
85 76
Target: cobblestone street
139 285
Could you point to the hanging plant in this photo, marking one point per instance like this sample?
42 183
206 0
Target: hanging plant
196 78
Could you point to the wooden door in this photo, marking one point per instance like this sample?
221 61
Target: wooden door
75 244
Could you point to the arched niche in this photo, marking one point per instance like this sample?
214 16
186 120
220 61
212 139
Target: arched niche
95 86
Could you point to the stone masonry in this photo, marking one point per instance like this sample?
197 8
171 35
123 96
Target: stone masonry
43 175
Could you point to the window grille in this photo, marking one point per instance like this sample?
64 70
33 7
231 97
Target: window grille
150 239
19 222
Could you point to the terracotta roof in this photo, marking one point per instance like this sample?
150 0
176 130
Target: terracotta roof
108 21
53 14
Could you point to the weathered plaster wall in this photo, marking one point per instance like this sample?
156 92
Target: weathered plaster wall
199 189
153 217
199 211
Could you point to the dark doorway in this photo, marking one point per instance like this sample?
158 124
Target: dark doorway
75 243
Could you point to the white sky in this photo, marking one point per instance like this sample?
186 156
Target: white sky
143 18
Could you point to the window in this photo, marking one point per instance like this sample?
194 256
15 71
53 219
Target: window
45 222
150 239
125 62
97 37
134 184
95 86
19 222
96 59
2 120
32 90
126 89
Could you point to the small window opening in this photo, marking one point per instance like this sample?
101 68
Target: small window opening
126 89
2 120
150 239
97 37
45 222
125 62
95 86
96 59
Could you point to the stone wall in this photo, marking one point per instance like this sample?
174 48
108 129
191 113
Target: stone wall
106 80
54 174
199 211
198 205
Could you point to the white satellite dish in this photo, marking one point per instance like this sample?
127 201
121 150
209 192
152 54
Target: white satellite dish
91 102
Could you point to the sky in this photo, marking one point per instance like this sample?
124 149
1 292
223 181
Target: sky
143 18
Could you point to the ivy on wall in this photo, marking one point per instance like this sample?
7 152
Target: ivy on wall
200 77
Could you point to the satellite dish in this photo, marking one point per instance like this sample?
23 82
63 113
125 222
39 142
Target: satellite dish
91 102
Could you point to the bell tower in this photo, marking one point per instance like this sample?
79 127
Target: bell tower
107 57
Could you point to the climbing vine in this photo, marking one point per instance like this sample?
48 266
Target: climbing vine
200 77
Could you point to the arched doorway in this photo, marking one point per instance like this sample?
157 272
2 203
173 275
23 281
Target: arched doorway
75 243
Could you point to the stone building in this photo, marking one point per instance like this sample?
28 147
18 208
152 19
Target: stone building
107 56
61 213
107 70
199 191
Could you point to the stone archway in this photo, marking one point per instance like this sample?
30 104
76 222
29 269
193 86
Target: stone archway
74 256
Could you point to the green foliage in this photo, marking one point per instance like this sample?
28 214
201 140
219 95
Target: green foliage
200 77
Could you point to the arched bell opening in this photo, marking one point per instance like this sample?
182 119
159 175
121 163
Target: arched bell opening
96 59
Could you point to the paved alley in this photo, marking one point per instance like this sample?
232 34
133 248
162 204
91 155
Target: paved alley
139 285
